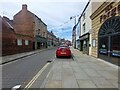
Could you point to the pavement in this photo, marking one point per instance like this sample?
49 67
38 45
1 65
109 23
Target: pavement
82 72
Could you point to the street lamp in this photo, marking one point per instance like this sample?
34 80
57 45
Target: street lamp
74 31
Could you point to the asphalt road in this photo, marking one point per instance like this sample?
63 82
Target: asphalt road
23 70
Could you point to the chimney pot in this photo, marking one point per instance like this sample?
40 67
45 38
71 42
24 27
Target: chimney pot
24 7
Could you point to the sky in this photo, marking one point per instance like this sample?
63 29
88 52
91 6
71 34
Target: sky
55 13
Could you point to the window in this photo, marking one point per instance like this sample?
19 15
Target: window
26 42
19 42
83 16
43 34
84 27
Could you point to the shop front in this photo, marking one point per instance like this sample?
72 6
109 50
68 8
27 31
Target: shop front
109 40
84 43
78 44
41 42
106 32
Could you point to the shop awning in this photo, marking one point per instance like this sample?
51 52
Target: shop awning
85 36
41 39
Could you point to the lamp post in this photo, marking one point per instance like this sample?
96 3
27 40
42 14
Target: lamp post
74 31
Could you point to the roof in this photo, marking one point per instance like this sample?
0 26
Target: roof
8 21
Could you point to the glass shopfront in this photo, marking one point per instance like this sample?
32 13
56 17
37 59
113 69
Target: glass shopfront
109 40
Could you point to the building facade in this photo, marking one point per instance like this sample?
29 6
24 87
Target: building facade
106 32
26 32
8 38
28 24
85 30
40 33
13 42
51 39
78 33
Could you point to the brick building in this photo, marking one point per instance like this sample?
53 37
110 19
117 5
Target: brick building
26 32
8 38
40 33
51 39
28 24
13 42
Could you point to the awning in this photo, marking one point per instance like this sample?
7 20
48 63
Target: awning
41 39
85 36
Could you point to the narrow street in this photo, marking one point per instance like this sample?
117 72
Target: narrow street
23 70
82 71
55 44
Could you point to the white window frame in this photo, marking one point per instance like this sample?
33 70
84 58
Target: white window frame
19 42
26 42
83 16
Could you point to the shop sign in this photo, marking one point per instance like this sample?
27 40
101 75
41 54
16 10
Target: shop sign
84 37
109 12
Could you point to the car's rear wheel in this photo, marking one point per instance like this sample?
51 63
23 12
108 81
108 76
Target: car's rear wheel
70 56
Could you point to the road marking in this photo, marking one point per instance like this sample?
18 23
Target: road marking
16 87
48 74
35 77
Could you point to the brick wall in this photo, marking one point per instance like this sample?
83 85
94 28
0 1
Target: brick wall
23 22
9 41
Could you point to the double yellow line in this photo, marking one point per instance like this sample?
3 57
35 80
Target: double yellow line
35 77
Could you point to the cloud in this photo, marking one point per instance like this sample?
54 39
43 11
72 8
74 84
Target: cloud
55 13
47 1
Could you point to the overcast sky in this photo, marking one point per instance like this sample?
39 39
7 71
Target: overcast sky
55 13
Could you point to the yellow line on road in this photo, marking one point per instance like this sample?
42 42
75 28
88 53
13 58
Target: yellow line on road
35 77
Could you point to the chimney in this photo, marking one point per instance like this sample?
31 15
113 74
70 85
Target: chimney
24 7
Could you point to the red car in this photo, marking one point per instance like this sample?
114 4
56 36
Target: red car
63 51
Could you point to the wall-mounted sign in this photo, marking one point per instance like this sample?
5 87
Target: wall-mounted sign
109 12
94 42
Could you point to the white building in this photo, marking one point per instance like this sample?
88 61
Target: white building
85 29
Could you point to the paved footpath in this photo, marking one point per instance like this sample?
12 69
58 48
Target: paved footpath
82 72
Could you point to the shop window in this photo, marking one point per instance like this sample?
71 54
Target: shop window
19 42
115 45
103 48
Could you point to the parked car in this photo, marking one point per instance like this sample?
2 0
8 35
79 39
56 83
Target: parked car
63 51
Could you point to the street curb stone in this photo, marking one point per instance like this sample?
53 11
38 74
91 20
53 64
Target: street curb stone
10 58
